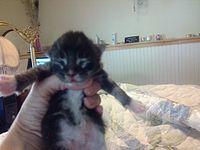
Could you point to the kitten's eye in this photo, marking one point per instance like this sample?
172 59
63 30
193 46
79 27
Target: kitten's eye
62 54
83 63
57 65
60 63
88 66
62 58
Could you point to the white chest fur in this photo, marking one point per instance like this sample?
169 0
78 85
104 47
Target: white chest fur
85 135
74 101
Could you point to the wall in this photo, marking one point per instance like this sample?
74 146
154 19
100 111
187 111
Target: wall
167 64
13 11
175 18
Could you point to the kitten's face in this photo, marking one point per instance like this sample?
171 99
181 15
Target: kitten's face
74 58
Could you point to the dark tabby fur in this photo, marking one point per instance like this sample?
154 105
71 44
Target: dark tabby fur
68 125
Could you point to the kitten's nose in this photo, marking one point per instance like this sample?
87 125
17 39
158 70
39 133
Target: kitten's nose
71 73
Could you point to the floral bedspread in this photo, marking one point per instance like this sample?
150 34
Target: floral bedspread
171 121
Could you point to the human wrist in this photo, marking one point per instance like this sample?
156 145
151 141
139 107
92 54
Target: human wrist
19 138
10 142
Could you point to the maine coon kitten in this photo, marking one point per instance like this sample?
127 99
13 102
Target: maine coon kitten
68 125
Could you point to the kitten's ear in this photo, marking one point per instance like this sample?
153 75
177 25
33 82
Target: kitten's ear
49 52
100 48
46 50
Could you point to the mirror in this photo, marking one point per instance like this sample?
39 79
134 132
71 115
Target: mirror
28 34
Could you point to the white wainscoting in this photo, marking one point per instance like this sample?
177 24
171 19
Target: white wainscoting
168 64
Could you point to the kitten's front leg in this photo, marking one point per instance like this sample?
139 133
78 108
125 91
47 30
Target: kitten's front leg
10 84
27 78
112 88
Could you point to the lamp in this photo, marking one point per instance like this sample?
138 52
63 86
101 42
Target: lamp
9 62
9 57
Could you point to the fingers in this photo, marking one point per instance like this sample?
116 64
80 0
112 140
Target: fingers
79 86
47 87
92 101
7 85
93 89
99 109
55 84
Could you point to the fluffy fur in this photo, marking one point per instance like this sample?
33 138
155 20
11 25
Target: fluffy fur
68 125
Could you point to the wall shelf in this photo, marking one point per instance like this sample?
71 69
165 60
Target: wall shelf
136 45
27 55
153 43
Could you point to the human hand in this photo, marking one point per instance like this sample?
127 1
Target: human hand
7 85
27 125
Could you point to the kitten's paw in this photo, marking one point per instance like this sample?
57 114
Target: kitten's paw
8 85
136 106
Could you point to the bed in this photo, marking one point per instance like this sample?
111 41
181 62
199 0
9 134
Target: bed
171 121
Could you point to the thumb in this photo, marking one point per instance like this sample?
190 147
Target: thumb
52 84
48 86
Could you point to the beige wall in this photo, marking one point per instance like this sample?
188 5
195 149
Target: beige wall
175 18
167 64
13 11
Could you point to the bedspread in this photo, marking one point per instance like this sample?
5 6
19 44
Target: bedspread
171 120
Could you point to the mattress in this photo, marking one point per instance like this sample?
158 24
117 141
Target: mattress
171 120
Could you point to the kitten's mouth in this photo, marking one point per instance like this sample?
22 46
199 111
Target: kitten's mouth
78 85
72 80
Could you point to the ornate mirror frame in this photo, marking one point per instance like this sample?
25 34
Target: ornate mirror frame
28 34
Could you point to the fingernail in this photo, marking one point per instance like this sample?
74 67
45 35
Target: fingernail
87 91
99 109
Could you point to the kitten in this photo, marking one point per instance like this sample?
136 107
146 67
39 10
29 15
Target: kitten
68 125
